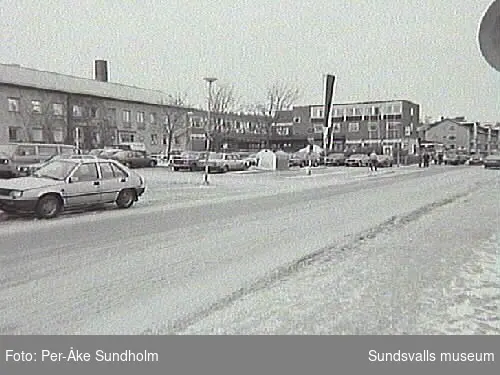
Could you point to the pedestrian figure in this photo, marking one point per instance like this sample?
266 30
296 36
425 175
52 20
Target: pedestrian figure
373 161
426 160
420 160
440 158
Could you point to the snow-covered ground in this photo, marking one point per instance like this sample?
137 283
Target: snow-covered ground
446 280
221 264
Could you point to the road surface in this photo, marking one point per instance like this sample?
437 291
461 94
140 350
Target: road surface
385 254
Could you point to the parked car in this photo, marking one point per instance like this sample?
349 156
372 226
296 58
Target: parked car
335 159
301 159
15 155
385 160
134 159
455 158
224 162
475 160
357 160
29 169
251 160
189 160
492 161
70 183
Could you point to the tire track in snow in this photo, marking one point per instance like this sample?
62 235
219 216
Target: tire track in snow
321 256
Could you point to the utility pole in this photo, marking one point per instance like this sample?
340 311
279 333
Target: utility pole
210 80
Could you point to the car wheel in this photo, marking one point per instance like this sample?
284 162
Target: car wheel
48 207
176 169
128 164
152 163
192 168
126 198
225 169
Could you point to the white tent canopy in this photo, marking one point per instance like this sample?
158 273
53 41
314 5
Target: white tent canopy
316 149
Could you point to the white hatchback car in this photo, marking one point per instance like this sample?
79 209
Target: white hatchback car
71 183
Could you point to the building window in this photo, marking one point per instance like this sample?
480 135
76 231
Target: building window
196 122
296 119
452 137
353 127
407 131
317 112
412 111
140 117
396 109
36 106
152 118
112 114
94 112
13 104
336 127
37 135
393 130
318 129
373 130
77 111
375 111
126 115
154 139
13 134
358 112
127 137
58 135
282 130
57 109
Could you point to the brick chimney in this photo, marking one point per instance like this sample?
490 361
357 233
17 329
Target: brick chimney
101 70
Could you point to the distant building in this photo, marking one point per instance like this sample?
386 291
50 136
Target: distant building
47 107
382 125
468 136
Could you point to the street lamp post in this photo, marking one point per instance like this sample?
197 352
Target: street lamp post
210 80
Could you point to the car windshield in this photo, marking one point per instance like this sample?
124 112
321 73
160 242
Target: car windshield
56 170
357 156
108 153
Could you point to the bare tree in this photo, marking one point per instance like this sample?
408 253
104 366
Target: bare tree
280 96
40 114
175 118
224 99
92 117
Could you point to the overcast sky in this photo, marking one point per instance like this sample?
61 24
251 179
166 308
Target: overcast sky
425 51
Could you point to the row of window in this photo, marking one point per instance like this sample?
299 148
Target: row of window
361 111
16 134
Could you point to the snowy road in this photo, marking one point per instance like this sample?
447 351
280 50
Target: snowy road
403 252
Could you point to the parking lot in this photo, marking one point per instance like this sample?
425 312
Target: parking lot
169 190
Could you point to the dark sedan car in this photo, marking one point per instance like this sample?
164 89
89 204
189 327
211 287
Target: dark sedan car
335 159
191 161
134 159
492 161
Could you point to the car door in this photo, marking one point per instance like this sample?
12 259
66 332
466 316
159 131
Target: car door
83 188
112 180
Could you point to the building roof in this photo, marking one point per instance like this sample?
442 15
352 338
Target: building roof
27 77
364 102
461 122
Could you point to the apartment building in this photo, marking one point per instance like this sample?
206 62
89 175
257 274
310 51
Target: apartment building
47 107
468 136
383 125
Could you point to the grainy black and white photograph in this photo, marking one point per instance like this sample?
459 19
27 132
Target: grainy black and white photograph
249 167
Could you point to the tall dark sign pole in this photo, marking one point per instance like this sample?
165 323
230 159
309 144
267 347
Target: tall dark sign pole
329 86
